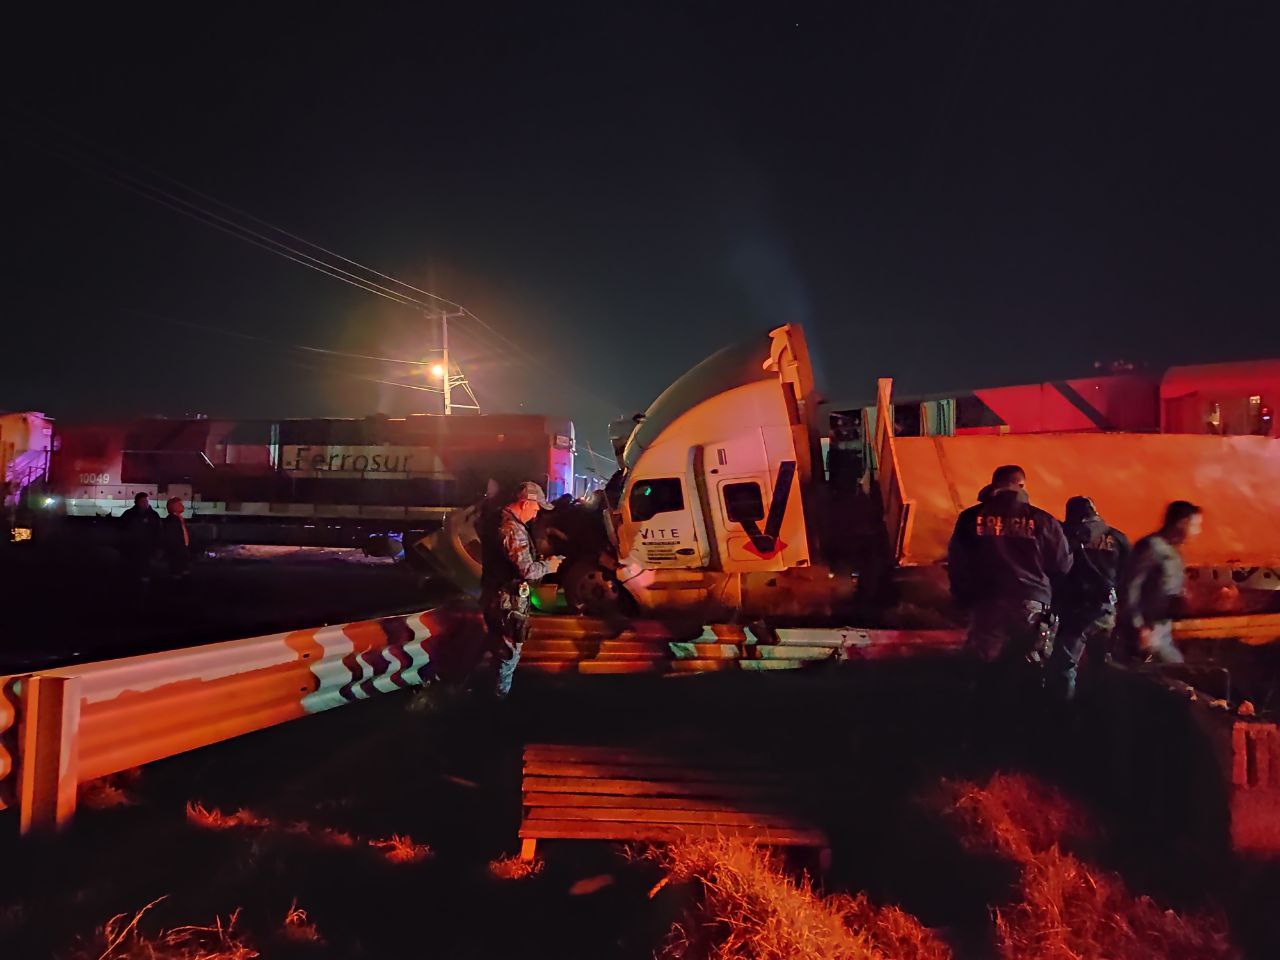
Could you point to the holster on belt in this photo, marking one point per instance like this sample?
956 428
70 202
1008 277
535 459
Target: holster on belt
1042 643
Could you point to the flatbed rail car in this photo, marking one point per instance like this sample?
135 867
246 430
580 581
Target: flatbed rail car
1222 399
307 481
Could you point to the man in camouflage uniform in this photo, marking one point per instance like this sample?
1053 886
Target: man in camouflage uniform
509 567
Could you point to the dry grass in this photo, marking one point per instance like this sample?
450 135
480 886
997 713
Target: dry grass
513 868
749 909
1069 910
896 934
108 793
1016 814
402 849
211 818
298 926
398 848
122 938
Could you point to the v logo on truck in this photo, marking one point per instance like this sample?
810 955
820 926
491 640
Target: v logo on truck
766 545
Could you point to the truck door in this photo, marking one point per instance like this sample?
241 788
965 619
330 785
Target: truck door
748 504
664 516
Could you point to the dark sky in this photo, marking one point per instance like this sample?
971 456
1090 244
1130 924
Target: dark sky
955 195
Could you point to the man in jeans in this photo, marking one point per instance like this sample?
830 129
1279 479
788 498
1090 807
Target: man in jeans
1151 591
1004 559
509 567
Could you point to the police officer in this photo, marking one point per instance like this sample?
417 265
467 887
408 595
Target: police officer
1151 591
141 537
1004 558
1087 601
508 569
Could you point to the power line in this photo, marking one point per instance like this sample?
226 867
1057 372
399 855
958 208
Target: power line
189 208
600 456
186 207
356 376
288 346
256 219
209 218
281 230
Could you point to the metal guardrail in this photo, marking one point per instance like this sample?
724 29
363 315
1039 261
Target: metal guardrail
60 728
64 727
1253 629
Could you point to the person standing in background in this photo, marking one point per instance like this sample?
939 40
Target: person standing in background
1087 600
1005 561
141 526
1151 591
175 539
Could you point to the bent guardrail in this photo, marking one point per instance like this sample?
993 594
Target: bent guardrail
60 728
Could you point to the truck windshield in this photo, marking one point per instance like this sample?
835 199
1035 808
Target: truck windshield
652 497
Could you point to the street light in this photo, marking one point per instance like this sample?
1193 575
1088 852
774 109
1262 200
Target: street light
437 371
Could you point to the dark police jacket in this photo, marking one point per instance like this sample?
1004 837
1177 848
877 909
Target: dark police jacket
1099 552
1004 549
141 529
506 553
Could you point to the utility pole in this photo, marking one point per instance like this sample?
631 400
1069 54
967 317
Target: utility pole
447 379
444 371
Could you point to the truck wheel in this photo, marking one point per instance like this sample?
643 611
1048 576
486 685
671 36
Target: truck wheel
594 591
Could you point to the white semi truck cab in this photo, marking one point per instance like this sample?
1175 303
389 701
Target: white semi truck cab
716 509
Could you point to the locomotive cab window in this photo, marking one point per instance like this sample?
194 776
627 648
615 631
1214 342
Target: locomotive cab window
743 502
652 497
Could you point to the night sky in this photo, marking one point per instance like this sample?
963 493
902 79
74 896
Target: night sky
955 195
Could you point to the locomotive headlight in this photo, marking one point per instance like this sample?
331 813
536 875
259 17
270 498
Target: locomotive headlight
49 502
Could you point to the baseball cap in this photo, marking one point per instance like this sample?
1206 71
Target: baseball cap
1080 508
531 491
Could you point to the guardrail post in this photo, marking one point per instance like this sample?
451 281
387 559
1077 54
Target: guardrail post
49 753
9 701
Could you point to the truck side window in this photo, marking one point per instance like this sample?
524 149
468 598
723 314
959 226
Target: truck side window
743 501
652 497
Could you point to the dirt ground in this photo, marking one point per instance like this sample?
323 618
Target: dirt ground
874 742
69 602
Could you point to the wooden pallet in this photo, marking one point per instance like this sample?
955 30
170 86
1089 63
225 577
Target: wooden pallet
627 794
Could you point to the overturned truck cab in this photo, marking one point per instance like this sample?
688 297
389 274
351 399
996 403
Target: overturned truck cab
715 513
